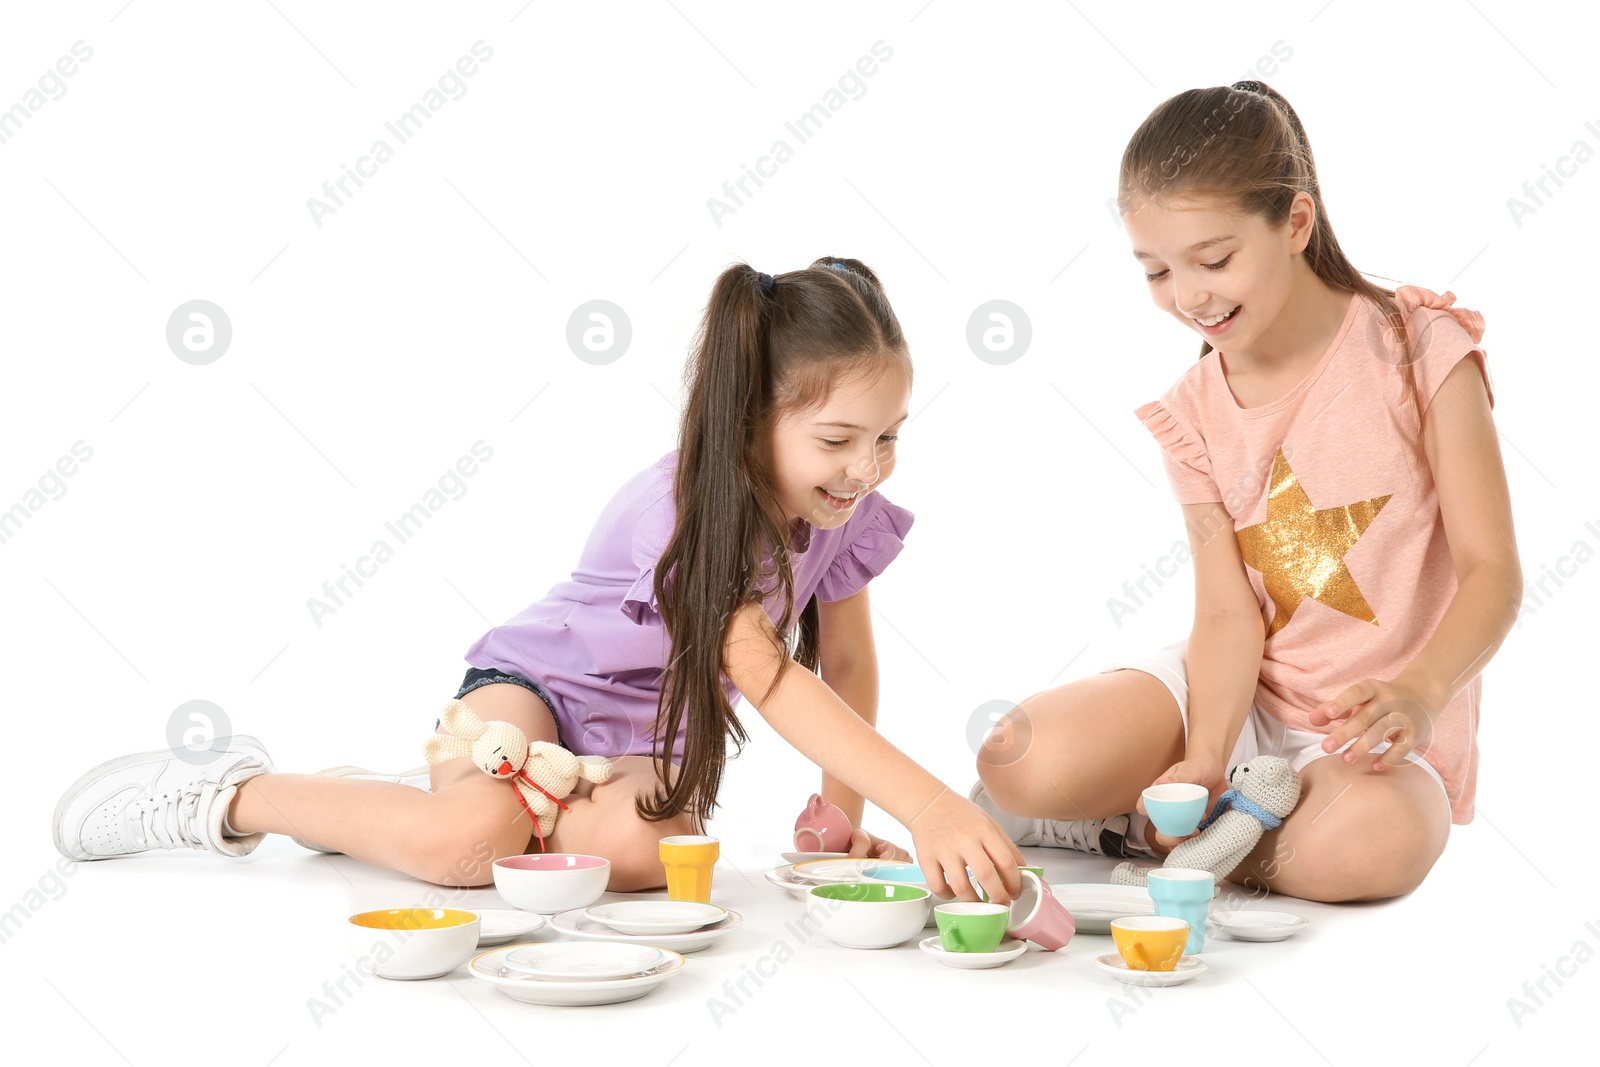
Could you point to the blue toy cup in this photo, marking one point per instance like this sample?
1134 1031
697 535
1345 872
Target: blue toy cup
1184 893
1176 808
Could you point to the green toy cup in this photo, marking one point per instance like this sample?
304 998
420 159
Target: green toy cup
968 927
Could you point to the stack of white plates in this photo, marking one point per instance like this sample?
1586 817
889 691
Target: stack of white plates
784 878
573 973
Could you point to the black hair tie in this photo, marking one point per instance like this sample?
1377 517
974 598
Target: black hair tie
1249 87
766 283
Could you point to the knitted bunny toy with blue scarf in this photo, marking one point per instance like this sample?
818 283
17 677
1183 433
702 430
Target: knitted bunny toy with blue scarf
1262 792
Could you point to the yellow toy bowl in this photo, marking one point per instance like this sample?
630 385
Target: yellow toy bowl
407 943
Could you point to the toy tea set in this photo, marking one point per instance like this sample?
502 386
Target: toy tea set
1157 917
622 950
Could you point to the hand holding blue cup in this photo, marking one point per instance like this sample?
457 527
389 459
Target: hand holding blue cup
1176 808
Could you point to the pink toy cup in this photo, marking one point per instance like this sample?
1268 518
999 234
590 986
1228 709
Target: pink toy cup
822 827
1037 916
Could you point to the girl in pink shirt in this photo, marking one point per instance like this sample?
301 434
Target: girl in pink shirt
1348 517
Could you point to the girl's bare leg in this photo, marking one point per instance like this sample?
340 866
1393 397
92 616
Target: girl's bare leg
1083 750
1357 834
453 835
604 822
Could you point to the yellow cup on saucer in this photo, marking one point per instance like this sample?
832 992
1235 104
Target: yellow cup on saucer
1150 942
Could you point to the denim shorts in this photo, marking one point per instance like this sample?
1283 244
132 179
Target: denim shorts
481 676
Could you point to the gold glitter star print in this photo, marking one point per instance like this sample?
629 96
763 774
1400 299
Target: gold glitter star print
1299 551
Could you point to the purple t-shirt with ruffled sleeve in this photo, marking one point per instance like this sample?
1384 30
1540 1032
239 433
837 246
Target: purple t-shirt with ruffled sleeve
596 642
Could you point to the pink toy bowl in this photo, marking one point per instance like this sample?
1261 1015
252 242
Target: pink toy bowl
822 827
549 882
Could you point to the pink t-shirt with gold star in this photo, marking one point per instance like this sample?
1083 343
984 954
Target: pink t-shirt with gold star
1334 507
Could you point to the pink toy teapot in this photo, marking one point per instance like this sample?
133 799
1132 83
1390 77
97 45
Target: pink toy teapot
822 827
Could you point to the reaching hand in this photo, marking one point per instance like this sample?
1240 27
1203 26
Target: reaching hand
953 834
1376 711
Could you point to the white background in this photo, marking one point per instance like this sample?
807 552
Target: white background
429 312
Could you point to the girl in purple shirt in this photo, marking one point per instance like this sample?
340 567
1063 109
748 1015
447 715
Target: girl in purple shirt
736 564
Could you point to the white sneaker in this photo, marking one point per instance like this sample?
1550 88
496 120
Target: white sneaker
1119 835
156 800
416 776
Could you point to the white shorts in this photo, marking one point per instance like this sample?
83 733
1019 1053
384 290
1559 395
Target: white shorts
1262 734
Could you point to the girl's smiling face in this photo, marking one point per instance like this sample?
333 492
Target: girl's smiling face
824 461
1206 264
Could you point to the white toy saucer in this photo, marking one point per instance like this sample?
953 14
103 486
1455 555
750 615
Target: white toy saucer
1188 967
657 917
496 926
1259 925
576 924
1008 950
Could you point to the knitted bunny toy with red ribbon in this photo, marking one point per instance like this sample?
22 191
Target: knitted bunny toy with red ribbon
541 773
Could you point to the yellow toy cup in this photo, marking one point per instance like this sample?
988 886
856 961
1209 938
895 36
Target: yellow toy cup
688 859
1150 942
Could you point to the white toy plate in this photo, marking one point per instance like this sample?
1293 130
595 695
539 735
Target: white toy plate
821 872
812 857
582 961
496 926
1095 904
784 878
490 968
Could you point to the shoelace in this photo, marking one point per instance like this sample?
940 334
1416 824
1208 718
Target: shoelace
168 820
1081 834
1089 835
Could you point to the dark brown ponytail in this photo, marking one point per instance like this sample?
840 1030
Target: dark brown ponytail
759 354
